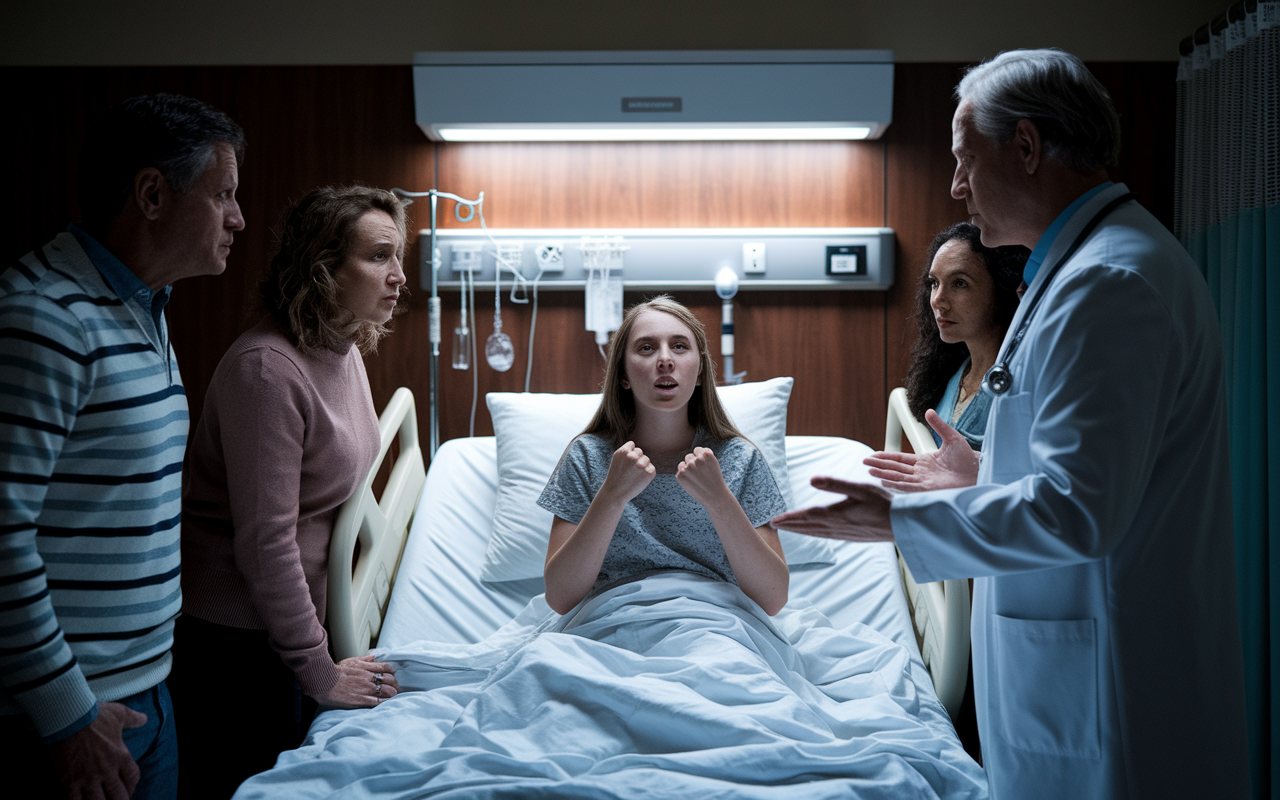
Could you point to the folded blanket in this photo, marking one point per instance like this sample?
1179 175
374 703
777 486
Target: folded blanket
673 686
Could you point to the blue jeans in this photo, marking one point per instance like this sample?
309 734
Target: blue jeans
154 746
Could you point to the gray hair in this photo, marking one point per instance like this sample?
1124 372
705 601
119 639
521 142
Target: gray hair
1053 89
176 135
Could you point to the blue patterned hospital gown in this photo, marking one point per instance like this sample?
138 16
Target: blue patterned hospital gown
663 527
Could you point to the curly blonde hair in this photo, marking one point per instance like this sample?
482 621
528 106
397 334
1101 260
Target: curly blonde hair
300 290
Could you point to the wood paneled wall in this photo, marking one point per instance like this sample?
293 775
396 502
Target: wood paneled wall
309 126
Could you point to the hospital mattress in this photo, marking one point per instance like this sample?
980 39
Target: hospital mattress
439 596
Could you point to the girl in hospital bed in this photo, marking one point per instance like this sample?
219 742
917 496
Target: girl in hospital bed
661 479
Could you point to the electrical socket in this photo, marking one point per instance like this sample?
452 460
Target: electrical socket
753 257
511 256
466 257
551 257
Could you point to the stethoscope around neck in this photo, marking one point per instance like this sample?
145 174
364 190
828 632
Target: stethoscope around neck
999 379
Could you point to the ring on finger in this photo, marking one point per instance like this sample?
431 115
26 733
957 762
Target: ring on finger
377 679
377 692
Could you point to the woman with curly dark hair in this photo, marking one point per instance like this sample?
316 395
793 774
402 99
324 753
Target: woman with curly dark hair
287 433
964 303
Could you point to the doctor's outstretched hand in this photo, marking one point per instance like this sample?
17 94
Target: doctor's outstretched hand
863 516
952 466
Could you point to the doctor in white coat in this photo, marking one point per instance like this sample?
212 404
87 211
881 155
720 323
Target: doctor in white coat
1106 646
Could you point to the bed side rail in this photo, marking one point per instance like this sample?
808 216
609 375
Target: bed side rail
939 611
358 593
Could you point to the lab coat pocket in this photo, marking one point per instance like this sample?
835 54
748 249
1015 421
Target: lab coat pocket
1006 444
1047 685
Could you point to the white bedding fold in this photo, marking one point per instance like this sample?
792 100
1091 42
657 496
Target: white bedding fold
673 686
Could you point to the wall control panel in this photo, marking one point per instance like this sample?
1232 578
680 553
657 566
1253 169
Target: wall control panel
669 258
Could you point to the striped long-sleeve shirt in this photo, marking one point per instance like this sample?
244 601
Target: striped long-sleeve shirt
93 426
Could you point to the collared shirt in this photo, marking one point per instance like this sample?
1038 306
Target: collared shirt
1046 239
121 279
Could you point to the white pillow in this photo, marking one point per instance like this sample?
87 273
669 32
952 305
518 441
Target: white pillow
533 431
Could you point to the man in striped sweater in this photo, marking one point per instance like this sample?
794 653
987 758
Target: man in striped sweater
93 428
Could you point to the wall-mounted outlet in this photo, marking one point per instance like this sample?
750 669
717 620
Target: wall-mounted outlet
551 257
466 257
753 257
511 256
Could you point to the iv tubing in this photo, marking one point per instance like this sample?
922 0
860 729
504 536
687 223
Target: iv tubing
434 302
475 367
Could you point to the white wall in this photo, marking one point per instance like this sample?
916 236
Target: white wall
178 32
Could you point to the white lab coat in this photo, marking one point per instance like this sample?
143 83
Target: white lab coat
1106 645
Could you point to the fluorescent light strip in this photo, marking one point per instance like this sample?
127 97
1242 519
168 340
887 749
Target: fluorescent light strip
649 134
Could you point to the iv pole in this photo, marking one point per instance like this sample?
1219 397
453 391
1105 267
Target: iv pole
433 302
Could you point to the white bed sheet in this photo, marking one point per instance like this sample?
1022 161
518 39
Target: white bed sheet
831 713
439 596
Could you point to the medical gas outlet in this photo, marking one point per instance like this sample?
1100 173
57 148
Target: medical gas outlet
551 257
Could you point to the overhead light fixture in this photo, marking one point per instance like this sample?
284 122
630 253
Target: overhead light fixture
731 95
649 134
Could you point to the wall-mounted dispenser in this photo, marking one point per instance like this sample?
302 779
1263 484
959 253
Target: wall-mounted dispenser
676 95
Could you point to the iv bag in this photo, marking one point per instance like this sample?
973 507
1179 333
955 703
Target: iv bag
602 259
604 303
461 348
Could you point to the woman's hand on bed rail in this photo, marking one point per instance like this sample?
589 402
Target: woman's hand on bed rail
952 466
863 516
362 683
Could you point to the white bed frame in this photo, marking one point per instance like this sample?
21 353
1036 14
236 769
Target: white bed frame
358 592
939 611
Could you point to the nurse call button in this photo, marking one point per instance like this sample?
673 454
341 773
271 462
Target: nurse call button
847 260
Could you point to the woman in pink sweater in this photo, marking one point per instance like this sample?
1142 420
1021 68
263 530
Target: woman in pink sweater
287 433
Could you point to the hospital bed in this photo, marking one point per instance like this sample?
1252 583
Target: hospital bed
427 552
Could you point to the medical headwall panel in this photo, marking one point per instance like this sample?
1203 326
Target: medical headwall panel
672 259
672 95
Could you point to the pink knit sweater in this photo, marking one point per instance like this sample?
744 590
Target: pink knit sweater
285 437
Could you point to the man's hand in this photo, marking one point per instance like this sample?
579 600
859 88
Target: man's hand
863 516
952 466
94 762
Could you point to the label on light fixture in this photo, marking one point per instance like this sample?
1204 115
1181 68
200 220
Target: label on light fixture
650 104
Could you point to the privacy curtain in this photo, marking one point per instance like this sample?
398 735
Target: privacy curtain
1227 215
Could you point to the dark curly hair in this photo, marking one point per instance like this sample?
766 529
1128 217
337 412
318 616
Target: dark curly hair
300 290
933 361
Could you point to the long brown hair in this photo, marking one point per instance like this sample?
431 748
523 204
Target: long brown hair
615 419
300 290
